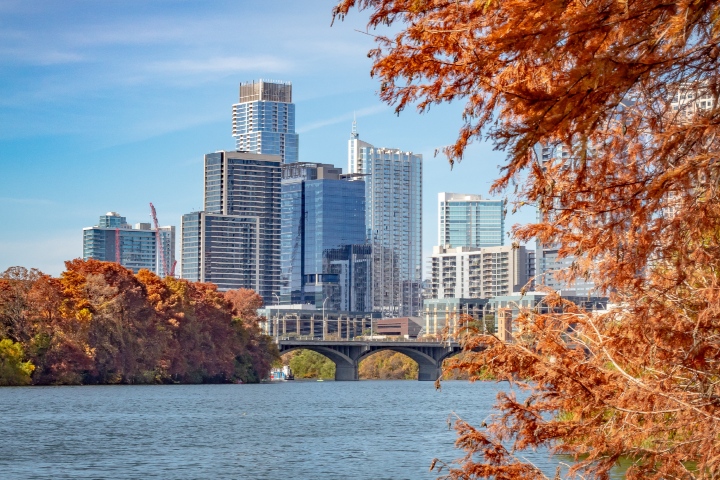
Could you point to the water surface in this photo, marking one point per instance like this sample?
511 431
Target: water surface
303 430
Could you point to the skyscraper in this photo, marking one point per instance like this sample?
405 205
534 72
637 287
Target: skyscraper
235 241
323 219
547 261
264 120
136 247
393 222
466 220
469 272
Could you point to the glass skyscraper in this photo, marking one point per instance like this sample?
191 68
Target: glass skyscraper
547 261
235 241
393 222
264 120
137 245
466 220
323 216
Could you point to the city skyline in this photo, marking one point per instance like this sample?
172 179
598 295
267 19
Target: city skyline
115 122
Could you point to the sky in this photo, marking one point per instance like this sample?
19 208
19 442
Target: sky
109 105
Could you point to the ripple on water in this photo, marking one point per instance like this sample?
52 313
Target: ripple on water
327 430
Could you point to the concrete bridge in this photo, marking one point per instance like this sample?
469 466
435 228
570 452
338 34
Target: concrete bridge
347 354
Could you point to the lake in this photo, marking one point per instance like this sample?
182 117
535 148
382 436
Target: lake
302 429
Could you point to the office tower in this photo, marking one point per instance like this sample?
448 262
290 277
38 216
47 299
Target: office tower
547 261
113 239
235 241
466 220
355 147
323 229
167 238
351 265
264 120
393 220
531 264
466 272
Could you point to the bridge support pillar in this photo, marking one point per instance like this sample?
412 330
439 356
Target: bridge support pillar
346 372
429 372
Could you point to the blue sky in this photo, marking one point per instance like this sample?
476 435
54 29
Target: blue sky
110 105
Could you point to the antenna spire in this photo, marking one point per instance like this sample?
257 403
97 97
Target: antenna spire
354 127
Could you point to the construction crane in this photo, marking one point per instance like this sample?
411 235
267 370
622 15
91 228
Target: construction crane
160 247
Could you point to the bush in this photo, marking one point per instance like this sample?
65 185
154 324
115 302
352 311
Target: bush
13 371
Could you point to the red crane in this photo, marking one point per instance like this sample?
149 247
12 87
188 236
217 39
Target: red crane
160 248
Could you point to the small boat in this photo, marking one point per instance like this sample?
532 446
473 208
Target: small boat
281 374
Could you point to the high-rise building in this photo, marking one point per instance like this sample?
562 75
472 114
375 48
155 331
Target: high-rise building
690 99
351 266
466 272
547 261
235 241
136 247
467 220
323 258
264 120
393 222
167 238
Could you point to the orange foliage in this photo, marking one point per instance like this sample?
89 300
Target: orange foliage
100 323
635 203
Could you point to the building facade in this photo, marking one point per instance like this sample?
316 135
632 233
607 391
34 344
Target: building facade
442 316
466 220
465 272
166 263
264 120
393 222
548 263
324 259
235 241
505 309
309 321
136 248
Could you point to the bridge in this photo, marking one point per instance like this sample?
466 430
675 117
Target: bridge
347 354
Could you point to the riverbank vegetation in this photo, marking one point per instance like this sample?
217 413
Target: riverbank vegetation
384 365
99 323
609 114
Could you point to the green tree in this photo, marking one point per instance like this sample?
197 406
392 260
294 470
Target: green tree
13 370
388 365
309 364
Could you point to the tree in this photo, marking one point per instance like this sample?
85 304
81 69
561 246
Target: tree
630 89
258 352
15 285
13 370
309 364
388 365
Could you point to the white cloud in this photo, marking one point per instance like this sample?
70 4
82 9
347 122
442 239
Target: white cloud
26 201
33 56
346 117
227 64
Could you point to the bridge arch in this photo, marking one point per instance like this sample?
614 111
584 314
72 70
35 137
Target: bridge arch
346 354
427 365
448 355
345 366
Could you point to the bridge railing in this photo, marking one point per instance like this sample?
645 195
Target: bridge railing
311 338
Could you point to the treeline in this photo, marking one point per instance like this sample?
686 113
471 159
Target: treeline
101 324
